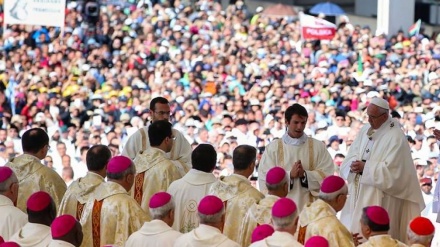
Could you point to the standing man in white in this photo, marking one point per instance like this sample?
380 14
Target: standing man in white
380 171
306 159
180 153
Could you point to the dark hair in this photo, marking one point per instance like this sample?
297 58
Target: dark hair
158 131
295 109
339 155
204 158
34 140
243 157
160 100
373 226
45 216
97 157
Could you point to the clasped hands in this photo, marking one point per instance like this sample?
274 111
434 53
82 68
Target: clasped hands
357 166
297 170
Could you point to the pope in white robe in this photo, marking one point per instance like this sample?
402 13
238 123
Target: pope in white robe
187 192
11 218
78 194
314 157
32 235
388 178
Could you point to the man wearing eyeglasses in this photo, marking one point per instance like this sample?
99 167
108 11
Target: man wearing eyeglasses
380 171
181 150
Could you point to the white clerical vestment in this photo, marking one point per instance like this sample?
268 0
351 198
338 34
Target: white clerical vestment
32 235
34 176
388 179
258 214
155 233
238 195
110 216
187 193
60 243
180 153
204 236
319 219
154 173
278 239
12 219
78 194
315 160
382 241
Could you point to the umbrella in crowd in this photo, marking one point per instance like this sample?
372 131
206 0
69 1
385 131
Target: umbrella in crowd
327 8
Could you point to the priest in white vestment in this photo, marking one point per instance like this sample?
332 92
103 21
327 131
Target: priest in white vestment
277 183
41 213
189 190
11 218
284 219
66 231
180 153
81 189
306 159
211 212
375 225
421 232
158 232
380 171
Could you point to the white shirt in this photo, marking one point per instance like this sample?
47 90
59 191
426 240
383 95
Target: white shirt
11 218
60 243
32 235
155 233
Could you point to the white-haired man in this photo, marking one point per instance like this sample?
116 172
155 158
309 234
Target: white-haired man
319 217
380 171
277 183
284 220
209 233
420 232
11 217
158 232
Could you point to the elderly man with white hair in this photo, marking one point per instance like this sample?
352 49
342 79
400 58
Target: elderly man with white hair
158 232
284 220
380 171
319 218
420 232
209 233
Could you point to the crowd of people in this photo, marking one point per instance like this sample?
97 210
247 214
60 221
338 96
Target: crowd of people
225 77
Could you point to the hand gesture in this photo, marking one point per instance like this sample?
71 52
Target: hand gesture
297 170
357 166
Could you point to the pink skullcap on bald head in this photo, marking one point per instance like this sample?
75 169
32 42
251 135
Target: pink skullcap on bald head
262 232
283 207
118 164
332 184
210 205
317 241
38 201
275 175
5 173
159 199
62 225
377 215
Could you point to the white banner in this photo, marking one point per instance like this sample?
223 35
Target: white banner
316 28
35 12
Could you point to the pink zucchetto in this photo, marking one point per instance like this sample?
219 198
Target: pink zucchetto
210 205
62 225
283 207
317 241
261 232
38 201
1 240
159 199
5 173
275 175
377 215
332 184
9 244
118 164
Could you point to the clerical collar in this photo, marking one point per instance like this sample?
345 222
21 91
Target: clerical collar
294 141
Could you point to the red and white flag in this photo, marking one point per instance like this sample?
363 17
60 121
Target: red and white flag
316 28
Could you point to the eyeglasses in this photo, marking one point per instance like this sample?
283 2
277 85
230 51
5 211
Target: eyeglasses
339 119
163 113
375 117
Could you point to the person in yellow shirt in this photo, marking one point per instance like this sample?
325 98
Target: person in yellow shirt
420 232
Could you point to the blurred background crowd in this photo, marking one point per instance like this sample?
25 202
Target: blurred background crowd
228 73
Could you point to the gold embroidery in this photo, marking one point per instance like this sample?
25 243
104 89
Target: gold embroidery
302 234
96 223
79 210
138 187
